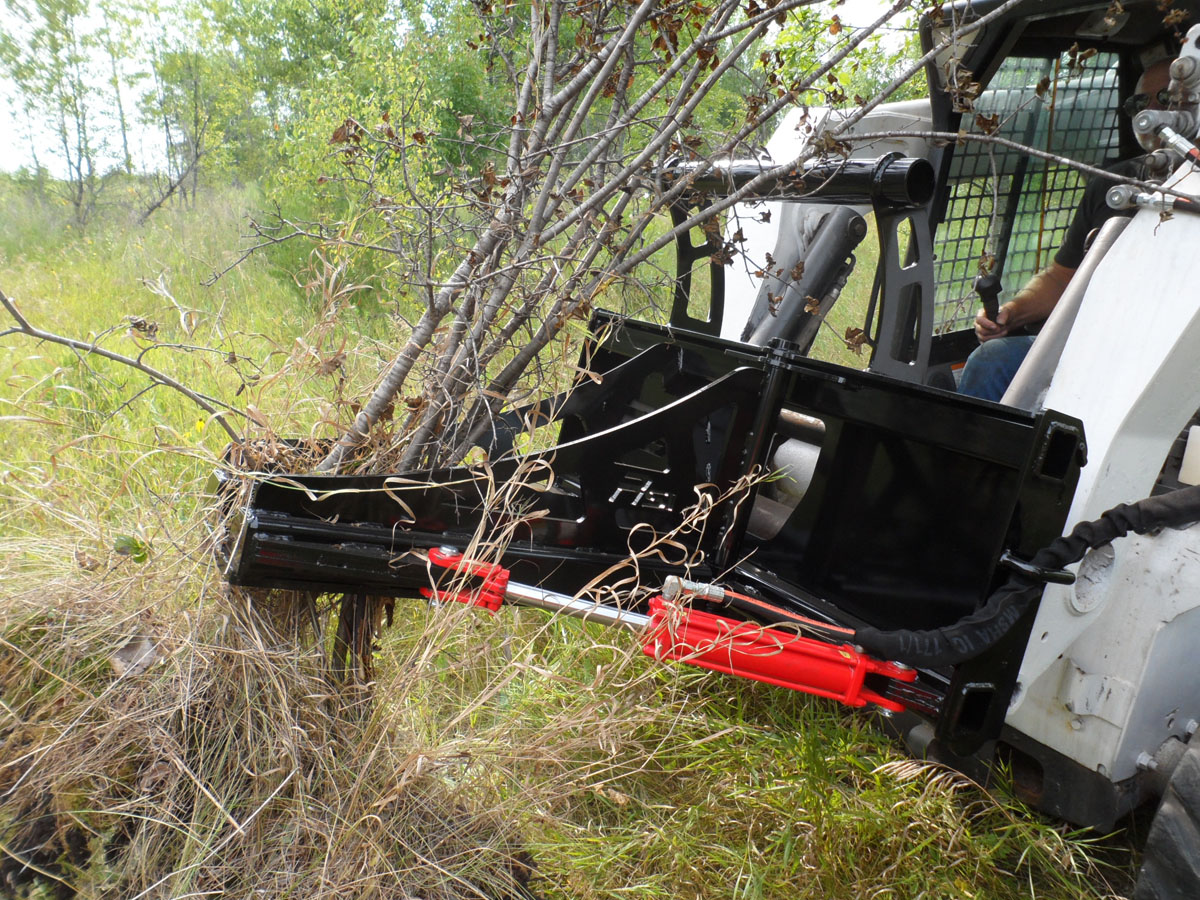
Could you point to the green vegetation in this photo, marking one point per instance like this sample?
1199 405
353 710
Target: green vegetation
164 736
224 764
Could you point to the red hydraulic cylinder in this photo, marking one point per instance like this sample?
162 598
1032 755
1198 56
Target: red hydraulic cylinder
680 633
772 655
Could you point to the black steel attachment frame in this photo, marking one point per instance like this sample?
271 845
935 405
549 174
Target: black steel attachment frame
901 522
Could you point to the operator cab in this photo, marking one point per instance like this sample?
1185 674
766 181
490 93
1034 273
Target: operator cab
1050 76
1053 81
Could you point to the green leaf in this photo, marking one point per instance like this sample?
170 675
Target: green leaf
135 549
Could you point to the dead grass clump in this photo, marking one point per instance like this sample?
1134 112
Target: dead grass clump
219 760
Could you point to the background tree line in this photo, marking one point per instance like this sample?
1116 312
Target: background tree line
250 91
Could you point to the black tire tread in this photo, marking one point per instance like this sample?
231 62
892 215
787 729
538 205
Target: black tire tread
1171 864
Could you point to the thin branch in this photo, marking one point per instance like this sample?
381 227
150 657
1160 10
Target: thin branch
247 253
205 403
172 188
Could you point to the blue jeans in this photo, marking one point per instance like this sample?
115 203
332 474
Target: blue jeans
992 365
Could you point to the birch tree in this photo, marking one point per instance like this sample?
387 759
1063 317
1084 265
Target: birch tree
565 210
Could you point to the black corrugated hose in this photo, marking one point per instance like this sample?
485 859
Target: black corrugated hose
972 635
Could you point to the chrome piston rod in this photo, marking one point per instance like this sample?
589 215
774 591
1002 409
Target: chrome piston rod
527 595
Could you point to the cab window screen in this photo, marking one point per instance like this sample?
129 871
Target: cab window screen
1012 207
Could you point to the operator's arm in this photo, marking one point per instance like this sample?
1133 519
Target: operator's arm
1037 299
1033 303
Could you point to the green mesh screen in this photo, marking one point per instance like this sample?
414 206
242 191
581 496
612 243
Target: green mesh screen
1009 204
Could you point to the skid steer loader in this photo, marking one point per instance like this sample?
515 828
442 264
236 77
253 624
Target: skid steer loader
907 551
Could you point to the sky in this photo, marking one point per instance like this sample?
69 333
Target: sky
18 134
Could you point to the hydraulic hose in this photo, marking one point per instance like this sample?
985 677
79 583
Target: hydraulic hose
973 634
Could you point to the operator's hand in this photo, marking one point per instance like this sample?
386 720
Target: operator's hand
986 329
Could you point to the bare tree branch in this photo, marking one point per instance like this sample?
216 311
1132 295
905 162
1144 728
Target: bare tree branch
208 404
172 187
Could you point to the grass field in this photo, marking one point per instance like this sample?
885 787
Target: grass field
491 753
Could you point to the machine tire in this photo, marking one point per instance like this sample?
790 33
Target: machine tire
1171 864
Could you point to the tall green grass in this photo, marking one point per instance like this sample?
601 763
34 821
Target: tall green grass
230 766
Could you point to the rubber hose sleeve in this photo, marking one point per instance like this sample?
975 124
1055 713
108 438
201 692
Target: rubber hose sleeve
976 633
